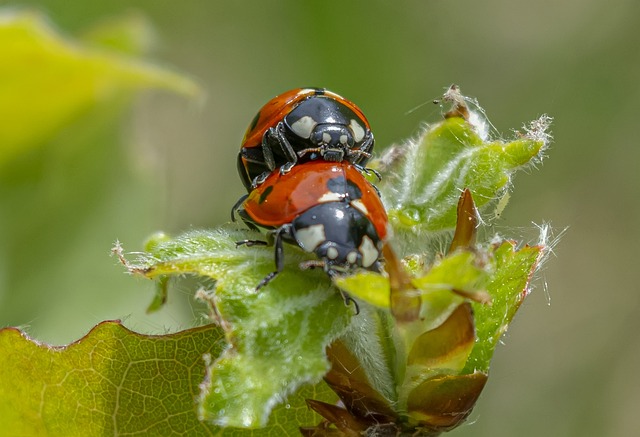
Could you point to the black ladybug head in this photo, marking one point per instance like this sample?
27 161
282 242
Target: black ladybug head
324 127
339 235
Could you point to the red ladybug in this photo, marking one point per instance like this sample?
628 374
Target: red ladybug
326 208
303 124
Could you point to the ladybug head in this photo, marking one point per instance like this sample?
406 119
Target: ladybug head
340 236
326 128
332 141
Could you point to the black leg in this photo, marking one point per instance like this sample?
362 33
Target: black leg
258 180
279 254
368 171
250 243
236 206
269 139
366 148
348 299
275 137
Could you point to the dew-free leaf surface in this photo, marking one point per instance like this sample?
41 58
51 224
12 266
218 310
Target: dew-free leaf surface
47 80
277 336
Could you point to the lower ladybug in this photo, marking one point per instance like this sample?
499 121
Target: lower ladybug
303 124
326 208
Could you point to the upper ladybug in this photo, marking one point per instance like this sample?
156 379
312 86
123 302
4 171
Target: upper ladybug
303 124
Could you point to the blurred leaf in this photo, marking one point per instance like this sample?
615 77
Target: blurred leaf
66 180
130 34
277 337
47 80
422 194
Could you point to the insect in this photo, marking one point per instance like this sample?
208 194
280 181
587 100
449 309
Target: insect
326 208
303 124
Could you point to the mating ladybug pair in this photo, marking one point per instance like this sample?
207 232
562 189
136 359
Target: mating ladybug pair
301 161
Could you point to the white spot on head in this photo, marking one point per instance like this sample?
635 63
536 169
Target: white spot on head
368 251
330 196
332 253
304 126
326 138
358 131
352 257
311 237
357 204
343 139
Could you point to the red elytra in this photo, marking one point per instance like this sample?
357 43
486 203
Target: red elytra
281 198
277 108
301 125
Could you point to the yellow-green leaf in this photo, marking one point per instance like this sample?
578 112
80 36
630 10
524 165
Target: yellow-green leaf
47 80
277 337
111 382
449 157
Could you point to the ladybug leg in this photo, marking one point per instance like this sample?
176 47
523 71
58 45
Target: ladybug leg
258 180
367 147
345 297
272 138
250 243
286 168
236 206
312 264
243 215
279 255
368 171
348 299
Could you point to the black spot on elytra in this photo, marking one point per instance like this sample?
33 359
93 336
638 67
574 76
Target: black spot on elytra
265 194
343 186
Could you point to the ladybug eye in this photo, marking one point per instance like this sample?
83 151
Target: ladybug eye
304 126
358 131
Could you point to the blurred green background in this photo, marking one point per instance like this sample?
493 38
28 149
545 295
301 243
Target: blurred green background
569 360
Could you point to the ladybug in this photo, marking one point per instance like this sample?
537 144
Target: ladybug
303 124
326 208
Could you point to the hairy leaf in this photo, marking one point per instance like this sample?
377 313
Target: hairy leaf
508 286
277 337
116 382
422 194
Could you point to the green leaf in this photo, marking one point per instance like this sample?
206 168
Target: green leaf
111 382
461 271
422 194
432 369
508 287
130 34
47 80
277 336
114 381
